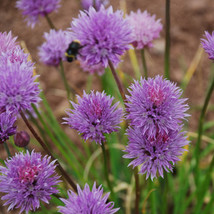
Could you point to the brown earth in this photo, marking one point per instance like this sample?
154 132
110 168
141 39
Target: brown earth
189 20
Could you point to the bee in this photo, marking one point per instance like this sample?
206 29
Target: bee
73 50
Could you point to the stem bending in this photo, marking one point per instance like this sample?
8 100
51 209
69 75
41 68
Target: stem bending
63 172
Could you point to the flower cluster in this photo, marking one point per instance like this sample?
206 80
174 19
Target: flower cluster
53 50
208 44
33 9
26 179
87 202
155 106
156 112
155 154
101 44
94 116
18 89
145 28
7 127
86 4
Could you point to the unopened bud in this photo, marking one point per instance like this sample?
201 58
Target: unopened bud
21 139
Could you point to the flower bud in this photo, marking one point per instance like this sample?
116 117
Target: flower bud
21 139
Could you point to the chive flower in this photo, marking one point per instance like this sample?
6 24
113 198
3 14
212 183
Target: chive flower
208 44
33 9
18 88
7 126
154 155
145 28
52 51
155 106
26 180
94 116
104 35
87 201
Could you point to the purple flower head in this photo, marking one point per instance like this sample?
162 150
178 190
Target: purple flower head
33 9
154 154
53 50
104 35
94 3
18 88
87 202
208 44
94 116
7 127
7 42
146 28
155 106
27 179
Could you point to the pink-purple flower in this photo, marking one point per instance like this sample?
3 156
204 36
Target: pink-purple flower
154 155
88 201
7 42
33 9
145 28
104 35
26 180
208 44
52 51
7 126
155 106
18 88
94 116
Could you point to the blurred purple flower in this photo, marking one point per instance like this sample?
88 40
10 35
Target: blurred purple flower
7 127
145 28
94 116
155 106
87 202
27 179
33 9
18 88
208 44
94 3
104 35
53 50
155 155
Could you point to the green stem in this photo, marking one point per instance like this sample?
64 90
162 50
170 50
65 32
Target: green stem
7 149
64 80
50 23
106 170
167 41
63 172
119 84
200 129
144 63
137 190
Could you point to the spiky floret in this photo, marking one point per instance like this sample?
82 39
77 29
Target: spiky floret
18 88
155 106
87 202
208 44
154 155
7 126
145 28
7 42
94 116
33 9
26 179
100 43
52 51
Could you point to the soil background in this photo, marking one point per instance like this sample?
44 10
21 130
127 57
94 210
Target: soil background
189 20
